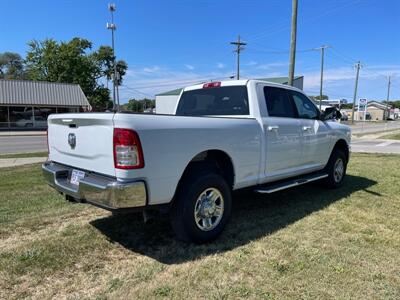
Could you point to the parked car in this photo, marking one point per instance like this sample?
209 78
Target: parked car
344 116
224 136
37 121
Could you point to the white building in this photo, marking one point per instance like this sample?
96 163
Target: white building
166 102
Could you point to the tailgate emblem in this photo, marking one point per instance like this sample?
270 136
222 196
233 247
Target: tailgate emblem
72 140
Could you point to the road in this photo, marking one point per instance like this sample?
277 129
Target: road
374 127
21 144
375 146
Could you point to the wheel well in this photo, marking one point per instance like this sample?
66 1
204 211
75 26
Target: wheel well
342 145
216 160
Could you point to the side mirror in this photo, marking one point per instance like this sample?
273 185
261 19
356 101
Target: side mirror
331 113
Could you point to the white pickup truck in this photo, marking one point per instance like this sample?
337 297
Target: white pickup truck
224 136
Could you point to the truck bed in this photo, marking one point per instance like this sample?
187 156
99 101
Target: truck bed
169 143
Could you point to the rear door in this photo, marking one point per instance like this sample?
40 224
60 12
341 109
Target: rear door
315 133
83 141
283 133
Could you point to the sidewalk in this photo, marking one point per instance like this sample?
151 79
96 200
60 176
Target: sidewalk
22 133
13 162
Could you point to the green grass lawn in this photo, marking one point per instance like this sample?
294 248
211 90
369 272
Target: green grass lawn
23 155
393 136
306 242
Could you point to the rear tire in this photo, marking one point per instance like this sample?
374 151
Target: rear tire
202 207
336 169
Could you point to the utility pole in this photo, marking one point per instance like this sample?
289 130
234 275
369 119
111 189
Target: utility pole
239 47
113 27
358 66
293 42
387 101
322 48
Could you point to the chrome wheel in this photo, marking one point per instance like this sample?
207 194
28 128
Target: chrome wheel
209 209
338 170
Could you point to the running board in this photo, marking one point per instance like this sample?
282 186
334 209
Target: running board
274 187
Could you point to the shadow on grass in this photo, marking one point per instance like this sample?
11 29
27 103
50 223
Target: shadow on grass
253 217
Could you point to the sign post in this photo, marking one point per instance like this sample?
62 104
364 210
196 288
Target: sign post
362 107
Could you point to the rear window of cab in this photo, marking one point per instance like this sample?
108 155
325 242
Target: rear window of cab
219 101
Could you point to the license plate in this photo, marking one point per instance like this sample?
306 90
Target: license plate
76 176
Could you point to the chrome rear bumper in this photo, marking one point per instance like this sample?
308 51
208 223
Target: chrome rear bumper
100 190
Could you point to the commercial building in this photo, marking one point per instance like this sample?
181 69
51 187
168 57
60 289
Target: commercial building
376 111
166 102
27 104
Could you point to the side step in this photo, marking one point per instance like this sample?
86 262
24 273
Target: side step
282 185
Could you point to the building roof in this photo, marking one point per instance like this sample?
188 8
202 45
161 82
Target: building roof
379 105
281 80
171 93
24 92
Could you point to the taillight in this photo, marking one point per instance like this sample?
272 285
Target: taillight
127 149
211 85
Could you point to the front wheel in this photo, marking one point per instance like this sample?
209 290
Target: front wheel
336 169
202 207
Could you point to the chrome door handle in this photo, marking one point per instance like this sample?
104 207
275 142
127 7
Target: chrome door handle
306 128
273 128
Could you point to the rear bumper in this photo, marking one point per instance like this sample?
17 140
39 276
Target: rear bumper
106 192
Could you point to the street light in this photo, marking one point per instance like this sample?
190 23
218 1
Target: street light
111 26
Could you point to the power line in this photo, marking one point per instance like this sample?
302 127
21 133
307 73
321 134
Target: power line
322 49
293 37
113 27
358 66
386 115
239 47
277 51
303 21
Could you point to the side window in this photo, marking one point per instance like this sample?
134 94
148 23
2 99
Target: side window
278 103
305 108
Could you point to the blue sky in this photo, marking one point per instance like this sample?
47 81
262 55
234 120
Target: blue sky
169 44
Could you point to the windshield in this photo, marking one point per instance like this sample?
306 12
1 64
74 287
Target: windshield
229 100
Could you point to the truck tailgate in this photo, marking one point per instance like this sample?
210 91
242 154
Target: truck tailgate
83 141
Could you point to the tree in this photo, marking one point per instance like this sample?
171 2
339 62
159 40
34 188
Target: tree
71 62
324 97
105 58
395 104
11 66
347 106
139 105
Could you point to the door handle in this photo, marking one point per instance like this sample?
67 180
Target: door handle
273 128
306 128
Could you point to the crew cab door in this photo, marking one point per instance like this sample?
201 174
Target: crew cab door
282 129
316 142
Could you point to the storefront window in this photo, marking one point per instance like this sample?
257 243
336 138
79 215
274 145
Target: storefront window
21 116
63 110
3 116
41 114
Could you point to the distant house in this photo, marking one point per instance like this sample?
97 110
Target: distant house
166 102
27 104
378 110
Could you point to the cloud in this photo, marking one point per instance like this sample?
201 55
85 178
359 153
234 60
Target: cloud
190 67
151 69
338 82
139 83
251 63
271 66
220 65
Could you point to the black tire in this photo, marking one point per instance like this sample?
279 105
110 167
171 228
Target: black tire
333 180
183 219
